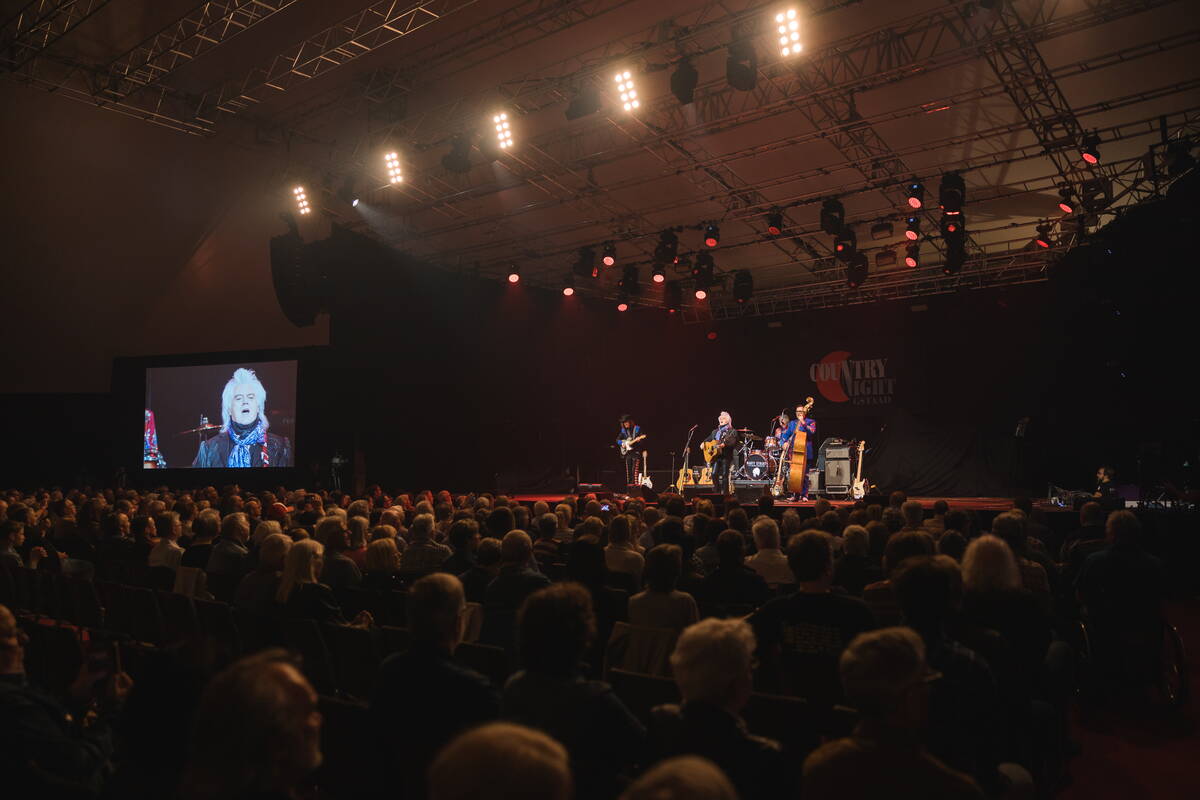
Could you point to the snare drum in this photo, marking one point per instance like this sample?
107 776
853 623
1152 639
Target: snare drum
760 465
771 443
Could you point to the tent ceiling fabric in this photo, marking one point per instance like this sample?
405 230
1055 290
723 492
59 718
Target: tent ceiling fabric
884 91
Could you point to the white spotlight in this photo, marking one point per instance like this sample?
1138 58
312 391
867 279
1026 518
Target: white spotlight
392 162
789 33
503 131
301 200
629 95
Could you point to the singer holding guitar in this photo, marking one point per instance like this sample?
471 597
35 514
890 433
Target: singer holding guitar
723 440
629 434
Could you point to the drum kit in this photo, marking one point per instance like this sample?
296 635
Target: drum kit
755 463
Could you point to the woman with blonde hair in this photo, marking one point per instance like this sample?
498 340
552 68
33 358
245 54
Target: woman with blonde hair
300 592
382 565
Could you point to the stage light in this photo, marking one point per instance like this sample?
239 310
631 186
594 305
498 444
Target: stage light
912 255
569 285
701 294
704 265
659 274
459 158
788 28
775 222
1043 236
1090 149
1066 201
856 271
683 82
514 274
503 131
585 102
743 285
301 200
712 235
629 96
881 231
952 193
885 258
845 244
955 258
622 305
586 264
953 229
833 217
667 249
629 280
915 192
672 296
609 256
1179 159
912 228
391 162
1095 194
741 68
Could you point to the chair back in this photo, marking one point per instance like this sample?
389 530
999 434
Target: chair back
643 650
641 693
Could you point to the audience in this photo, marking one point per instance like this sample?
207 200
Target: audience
423 554
713 664
516 579
853 571
682 778
501 761
769 561
661 605
464 541
301 593
204 529
887 680
801 636
257 732
622 554
382 566
732 582
426 684
487 566
229 554
258 589
556 627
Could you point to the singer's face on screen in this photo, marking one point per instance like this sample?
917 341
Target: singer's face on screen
245 404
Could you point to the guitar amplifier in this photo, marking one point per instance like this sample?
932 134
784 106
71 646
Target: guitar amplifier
838 475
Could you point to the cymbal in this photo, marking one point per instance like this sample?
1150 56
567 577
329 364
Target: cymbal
198 430
745 430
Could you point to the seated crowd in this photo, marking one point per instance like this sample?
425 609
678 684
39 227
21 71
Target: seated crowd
947 647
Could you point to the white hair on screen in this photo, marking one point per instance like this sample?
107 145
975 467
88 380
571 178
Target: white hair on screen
243 375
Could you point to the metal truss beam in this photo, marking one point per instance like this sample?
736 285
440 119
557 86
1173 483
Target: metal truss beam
200 30
37 26
364 32
876 58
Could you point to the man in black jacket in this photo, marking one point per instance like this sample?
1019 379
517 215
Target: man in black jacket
726 438
244 440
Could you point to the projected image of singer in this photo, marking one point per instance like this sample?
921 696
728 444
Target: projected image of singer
243 440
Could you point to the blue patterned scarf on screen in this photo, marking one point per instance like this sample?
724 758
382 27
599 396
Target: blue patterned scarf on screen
243 436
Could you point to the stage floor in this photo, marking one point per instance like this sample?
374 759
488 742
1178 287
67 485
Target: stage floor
965 503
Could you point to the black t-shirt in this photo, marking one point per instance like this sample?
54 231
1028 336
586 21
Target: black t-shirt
808 632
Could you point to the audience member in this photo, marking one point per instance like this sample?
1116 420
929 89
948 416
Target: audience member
257 732
258 589
12 537
682 778
547 547
301 593
622 554
853 571
425 683
713 665
732 582
661 605
1010 528
205 527
879 596
382 566
229 554
769 561
487 566
914 515
556 628
423 554
935 525
501 761
887 681
801 636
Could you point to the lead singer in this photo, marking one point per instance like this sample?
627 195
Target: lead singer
243 440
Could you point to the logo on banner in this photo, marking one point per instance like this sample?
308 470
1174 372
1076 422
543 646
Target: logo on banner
858 381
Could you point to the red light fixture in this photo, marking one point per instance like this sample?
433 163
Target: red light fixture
915 192
1065 203
610 254
514 274
912 231
1043 236
622 306
775 222
701 294
568 291
912 255
1090 151
712 235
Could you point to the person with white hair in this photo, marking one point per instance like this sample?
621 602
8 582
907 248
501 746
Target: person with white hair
713 664
243 440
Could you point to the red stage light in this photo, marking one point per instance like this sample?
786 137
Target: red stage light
914 202
712 336
622 306
710 241
911 235
659 277
513 277
1042 242
701 294
1091 158
609 261
568 291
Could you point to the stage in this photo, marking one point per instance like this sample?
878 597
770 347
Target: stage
989 504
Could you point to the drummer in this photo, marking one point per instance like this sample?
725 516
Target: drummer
778 426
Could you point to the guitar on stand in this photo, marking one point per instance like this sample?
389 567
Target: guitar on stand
858 489
643 478
685 473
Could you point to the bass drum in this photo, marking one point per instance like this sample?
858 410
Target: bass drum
760 466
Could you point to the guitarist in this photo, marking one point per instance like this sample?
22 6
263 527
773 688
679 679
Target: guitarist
629 431
802 422
726 438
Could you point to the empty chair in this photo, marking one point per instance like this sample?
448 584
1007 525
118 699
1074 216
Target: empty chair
355 658
304 636
640 693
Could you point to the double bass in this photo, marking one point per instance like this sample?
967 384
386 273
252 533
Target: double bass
796 459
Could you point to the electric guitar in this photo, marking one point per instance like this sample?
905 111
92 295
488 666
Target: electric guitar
627 444
858 490
644 478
